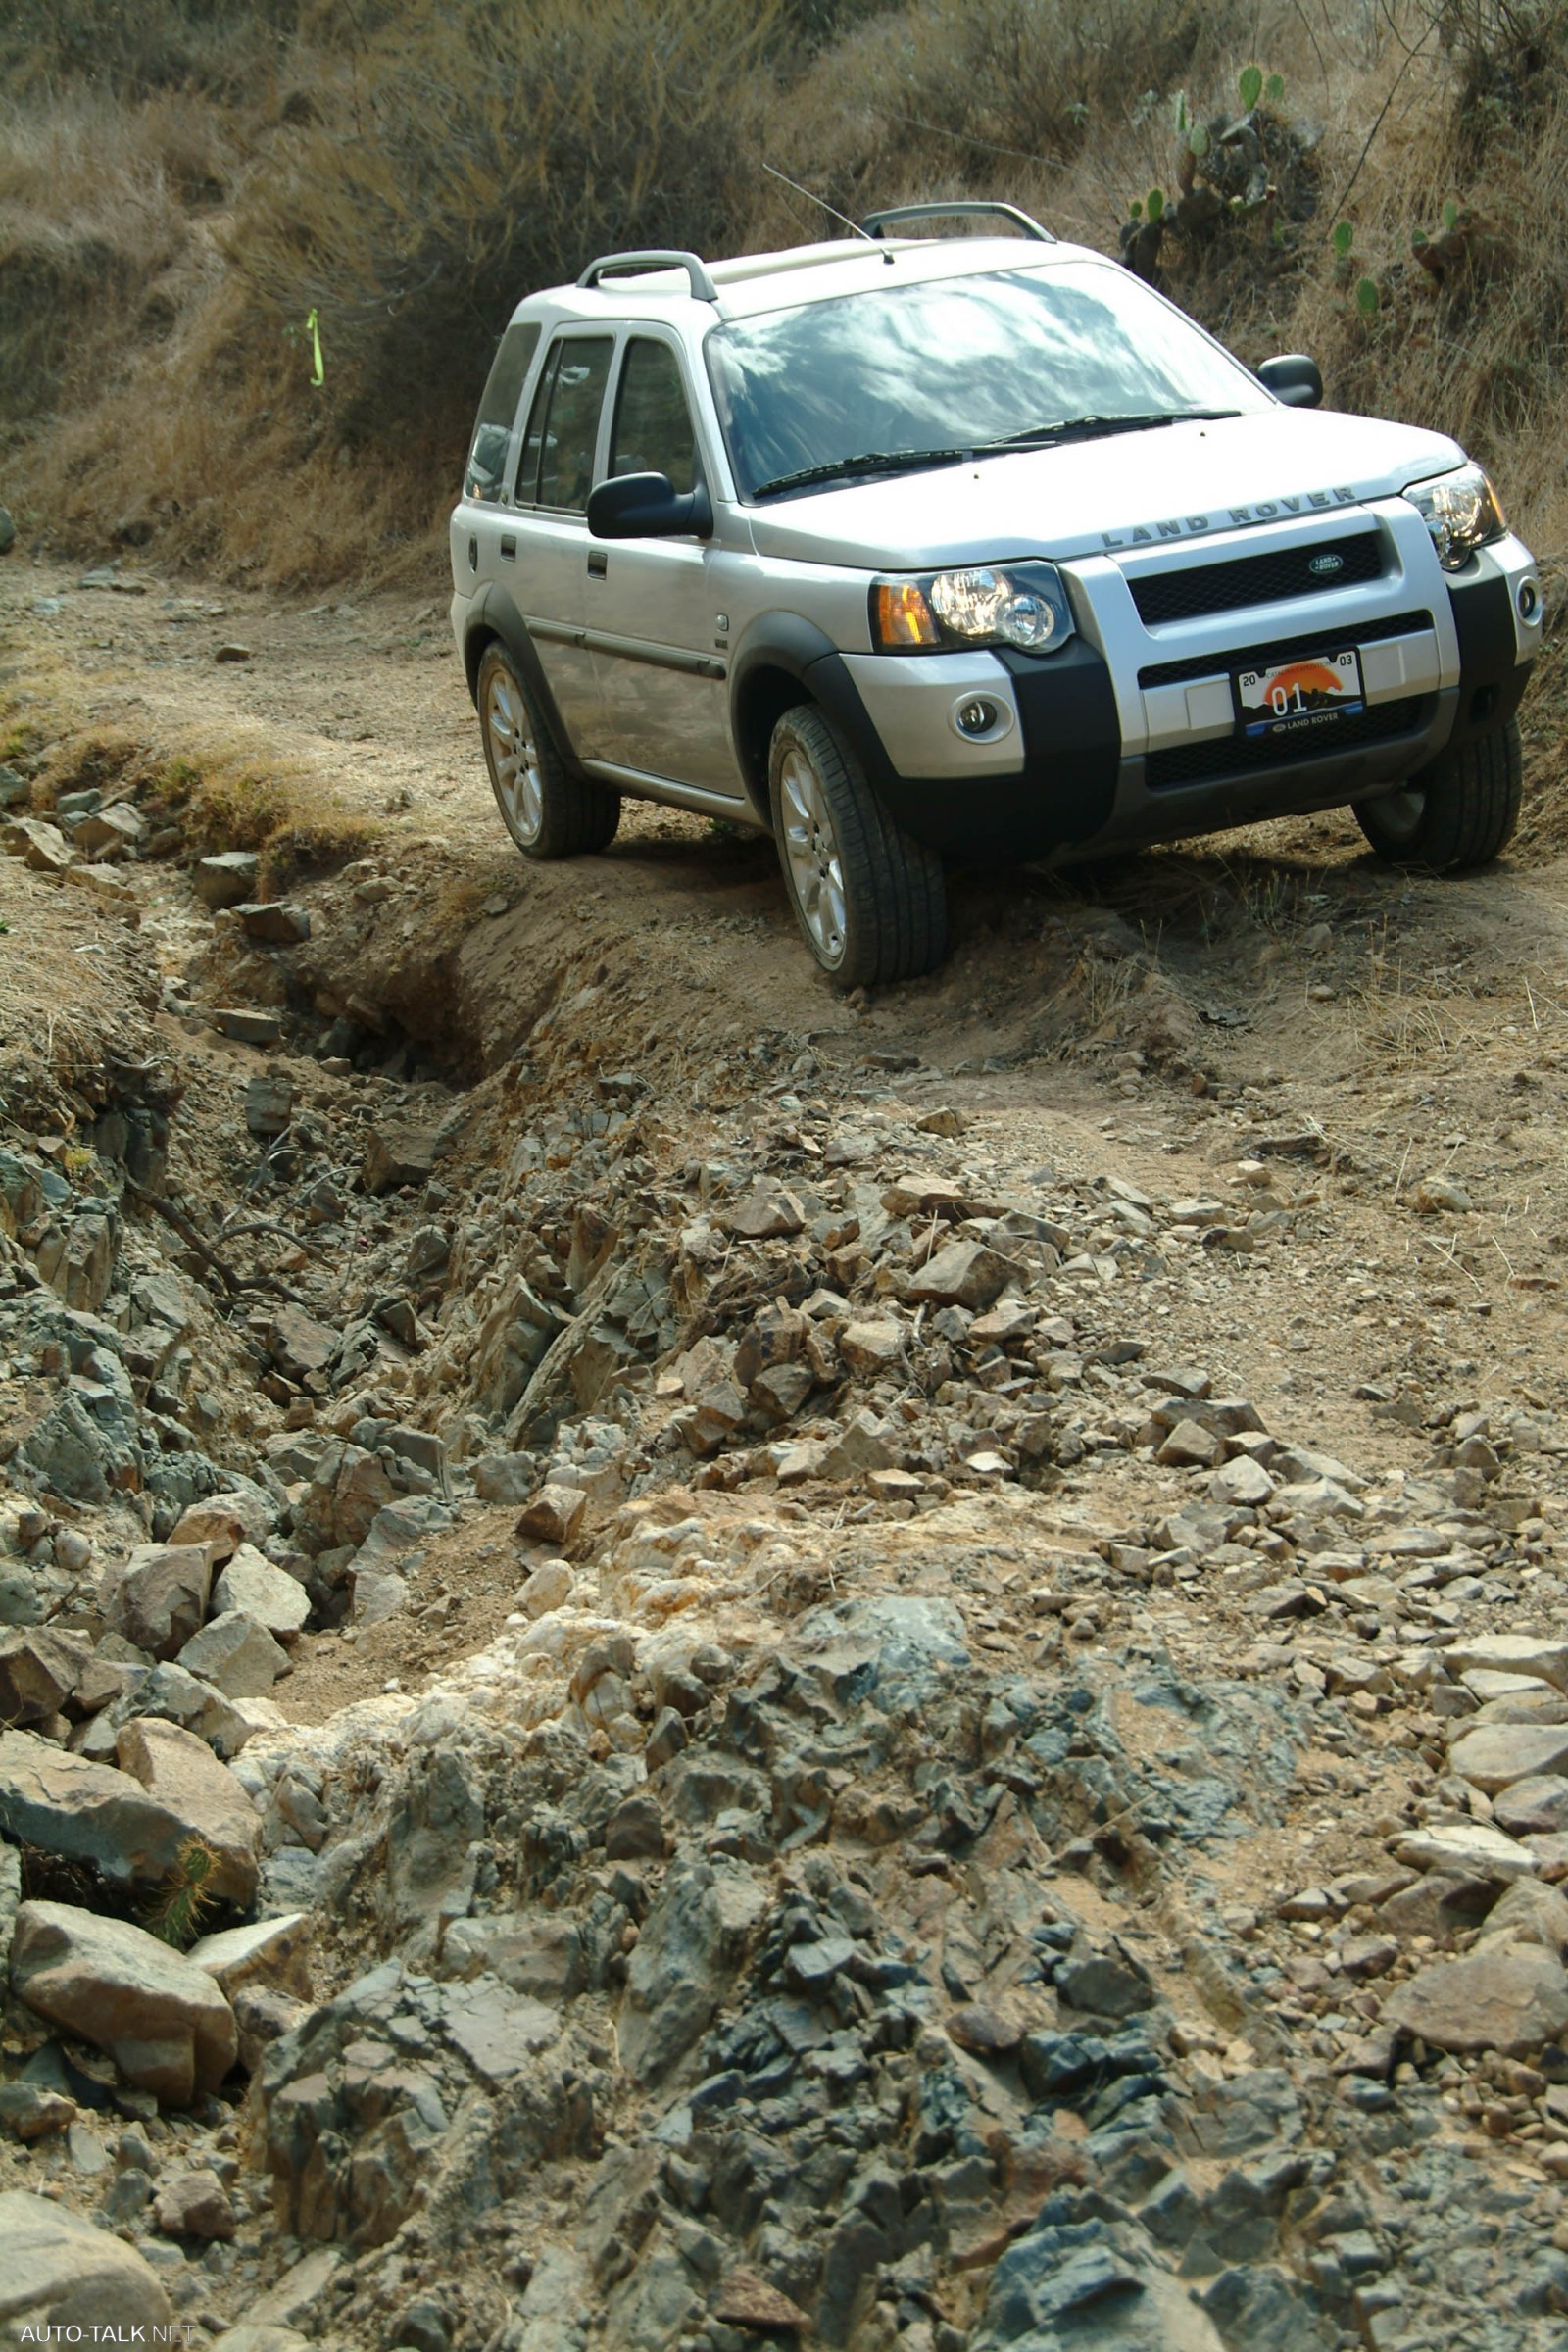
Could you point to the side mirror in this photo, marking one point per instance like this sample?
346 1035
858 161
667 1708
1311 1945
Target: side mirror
648 505
1293 378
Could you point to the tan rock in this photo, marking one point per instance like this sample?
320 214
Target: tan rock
275 1952
217 1524
554 1516
37 1674
1496 1754
182 1772
62 2274
747 2301
1529 1913
194 2205
1470 1848
64 1804
767 1214
259 1591
963 1274
162 2021
158 1597
1511 2000
1542 1661
872 1345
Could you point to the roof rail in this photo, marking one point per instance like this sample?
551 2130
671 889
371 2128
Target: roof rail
962 208
616 264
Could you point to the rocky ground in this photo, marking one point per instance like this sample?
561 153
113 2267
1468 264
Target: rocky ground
690 1666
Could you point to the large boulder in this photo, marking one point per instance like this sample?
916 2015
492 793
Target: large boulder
1512 1997
158 1598
180 1771
162 2018
62 2281
67 1805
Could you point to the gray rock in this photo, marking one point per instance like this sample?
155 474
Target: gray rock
236 1655
162 2021
505 1477
226 878
270 1595
61 2273
692 1943
399 1154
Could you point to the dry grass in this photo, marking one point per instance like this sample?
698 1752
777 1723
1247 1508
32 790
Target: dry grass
226 789
408 171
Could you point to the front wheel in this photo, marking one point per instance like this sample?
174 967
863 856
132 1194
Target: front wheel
1458 813
872 902
548 811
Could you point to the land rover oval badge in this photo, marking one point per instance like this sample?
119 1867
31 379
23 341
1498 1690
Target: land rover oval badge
1324 567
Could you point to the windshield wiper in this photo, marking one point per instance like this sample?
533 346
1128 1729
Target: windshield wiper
1093 428
872 460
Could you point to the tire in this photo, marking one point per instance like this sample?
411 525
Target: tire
871 903
1456 814
548 811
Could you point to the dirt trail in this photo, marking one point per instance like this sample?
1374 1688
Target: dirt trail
911 1599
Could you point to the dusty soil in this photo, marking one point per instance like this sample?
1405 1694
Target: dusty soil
1273 982
1325 1100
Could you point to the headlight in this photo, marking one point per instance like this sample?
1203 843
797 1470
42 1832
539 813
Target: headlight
1021 604
1462 512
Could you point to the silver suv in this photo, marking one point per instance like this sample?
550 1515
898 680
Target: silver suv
906 547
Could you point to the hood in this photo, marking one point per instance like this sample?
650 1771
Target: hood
1093 497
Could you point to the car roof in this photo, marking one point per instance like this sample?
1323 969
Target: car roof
798 275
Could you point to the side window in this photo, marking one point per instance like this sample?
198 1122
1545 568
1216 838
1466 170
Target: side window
557 468
652 423
487 452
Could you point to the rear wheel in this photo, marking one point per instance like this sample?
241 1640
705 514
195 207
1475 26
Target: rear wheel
548 811
872 902
1458 813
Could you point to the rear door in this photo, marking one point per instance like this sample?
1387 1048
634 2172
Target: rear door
653 603
548 551
484 516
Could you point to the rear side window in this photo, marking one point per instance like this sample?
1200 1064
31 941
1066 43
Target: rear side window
652 423
492 432
557 468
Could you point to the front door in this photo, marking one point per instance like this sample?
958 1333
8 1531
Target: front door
653 604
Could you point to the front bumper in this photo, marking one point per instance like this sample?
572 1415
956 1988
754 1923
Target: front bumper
1128 736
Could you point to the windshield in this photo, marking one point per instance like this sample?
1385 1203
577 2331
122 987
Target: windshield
944 367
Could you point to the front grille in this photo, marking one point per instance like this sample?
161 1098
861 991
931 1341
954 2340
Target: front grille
1281 648
1240 756
1265 579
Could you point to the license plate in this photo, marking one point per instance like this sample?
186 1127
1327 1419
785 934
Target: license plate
1298 696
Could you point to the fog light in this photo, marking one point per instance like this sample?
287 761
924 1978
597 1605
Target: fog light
1529 600
977 717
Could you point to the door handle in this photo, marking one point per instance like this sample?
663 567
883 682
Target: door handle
598 563
508 546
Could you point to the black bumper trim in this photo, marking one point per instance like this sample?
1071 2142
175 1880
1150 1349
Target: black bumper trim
1491 676
1064 792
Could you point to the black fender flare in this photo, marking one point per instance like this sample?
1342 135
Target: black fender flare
494 614
786 644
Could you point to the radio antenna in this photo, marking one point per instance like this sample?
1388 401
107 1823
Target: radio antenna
831 210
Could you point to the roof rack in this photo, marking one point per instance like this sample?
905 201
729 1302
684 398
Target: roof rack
962 208
616 264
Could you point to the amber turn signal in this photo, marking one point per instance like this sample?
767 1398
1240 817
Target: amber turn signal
901 614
